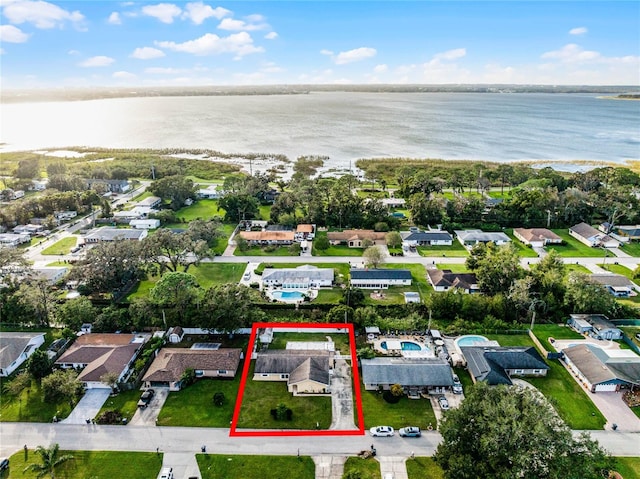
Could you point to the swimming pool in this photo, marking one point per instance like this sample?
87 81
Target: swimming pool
406 346
470 340
287 296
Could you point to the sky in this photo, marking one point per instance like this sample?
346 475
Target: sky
108 43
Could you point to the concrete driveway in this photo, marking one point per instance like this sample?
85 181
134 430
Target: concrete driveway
341 397
147 416
89 406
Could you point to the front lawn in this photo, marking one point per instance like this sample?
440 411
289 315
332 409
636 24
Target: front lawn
628 467
255 467
92 464
261 396
572 248
337 250
264 251
61 247
30 406
423 467
362 468
618 269
200 210
456 250
632 248
226 230
341 341
406 412
193 406
454 267
576 268
524 251
125 402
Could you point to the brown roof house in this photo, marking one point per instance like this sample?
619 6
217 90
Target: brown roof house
168 367
98 354
267 237
305 371
537 237
355 238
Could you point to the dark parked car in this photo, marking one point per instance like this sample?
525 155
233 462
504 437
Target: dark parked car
4 464
146 398
410 431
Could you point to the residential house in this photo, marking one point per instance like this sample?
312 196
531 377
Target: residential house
30 229
50 274
415 375
15 349
581 325
113 186
305 232
12 239
590 236
426 238
170 364
114 234
601 327
445 279
380 278
470 238
146 224
629 231
356 238
150 202
497 364
393 202
616 284
301 277
537 237
603 371
306 372
62 216
98 354
265 237
211 192
125 216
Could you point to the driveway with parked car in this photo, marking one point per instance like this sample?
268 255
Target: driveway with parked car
147 415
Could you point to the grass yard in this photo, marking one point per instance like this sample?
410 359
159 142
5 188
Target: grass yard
61 247
576 268
201 209
362 468
456 250
392 295
454 267
328 296
632 248
418 275
524 251
255 467
30 406
341 341
264 251
193 406
265 212
628 467
406 412
261 396
226 230
423 467
338 250
545 331
93 464
618 269
125 402
572 248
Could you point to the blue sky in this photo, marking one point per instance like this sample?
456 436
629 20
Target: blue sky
98 43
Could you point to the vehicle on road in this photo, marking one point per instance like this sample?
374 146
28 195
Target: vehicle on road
146 398
410 431
457 385
381 431
444 404
166 473
4 463
247 276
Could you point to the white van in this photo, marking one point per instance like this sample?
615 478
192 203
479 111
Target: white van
166 473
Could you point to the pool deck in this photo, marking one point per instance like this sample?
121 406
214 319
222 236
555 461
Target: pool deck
423 341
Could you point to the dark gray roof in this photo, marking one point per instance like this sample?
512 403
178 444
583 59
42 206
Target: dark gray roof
609 279
380 274
110 234
310 369
285 361
426 236
12 345
457 280
489 363
585 230
407 372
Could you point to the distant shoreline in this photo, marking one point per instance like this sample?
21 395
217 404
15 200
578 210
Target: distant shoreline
101 93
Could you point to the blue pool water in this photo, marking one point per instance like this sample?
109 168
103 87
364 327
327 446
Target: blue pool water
287 295
470 340
406 346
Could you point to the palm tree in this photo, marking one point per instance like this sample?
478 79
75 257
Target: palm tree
49 460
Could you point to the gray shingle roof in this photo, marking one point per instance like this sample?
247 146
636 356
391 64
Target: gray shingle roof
285 361
111 234
380 274
612 280
489 363
426 236
12 345
457 280
407 372
481 236
585 230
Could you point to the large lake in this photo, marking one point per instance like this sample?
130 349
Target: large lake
344 126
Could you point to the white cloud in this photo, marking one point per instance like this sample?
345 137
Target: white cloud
451 54
210 44
163 71
381 68
114 19
11 34
41 14
147 53
198 12
578 31
165 12
571 53
256 22
122 75
355 55
326 52
271 36
98 61
73 52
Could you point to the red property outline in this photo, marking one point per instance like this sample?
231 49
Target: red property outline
245 373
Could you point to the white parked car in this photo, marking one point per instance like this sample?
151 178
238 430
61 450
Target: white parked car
166 473
381 431
457 385
444 404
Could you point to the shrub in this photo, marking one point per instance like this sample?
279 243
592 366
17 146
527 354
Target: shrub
218 399
389 397
109 417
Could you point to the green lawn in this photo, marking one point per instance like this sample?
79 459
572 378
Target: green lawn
261 396
454 267
418 276
201 209
576 268
456 250
264 251
61 247
126 403
93 465
255 467
340 340
265 212
362 468
628 467
632 248
329 296
193 406
524 251
30 406
618 269
406 412
572 403
422 468
572 248
338 250
223 241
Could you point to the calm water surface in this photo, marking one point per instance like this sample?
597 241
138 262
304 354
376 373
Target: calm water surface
344 126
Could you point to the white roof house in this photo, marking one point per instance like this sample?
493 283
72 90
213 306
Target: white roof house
469 238
112 234
147 224
302 277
